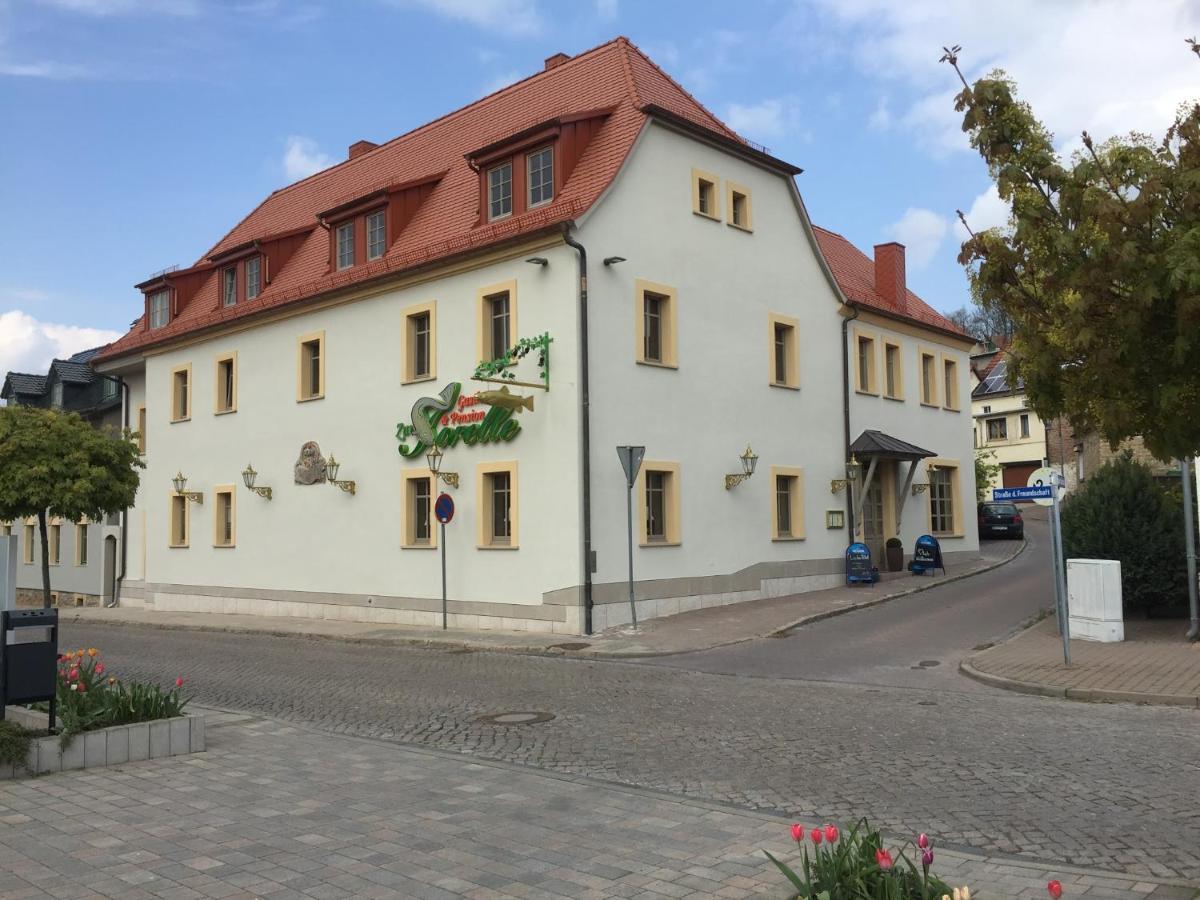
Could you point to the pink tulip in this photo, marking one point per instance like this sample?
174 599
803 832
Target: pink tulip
73 674
884 859
831 833
797 833
816 836
179 682
1054 889
99 668
923 841
927 858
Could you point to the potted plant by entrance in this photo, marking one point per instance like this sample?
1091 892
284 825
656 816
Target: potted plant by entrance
894 550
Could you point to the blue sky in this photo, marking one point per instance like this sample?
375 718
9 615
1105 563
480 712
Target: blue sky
136 132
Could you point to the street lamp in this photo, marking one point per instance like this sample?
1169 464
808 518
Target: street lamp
434 458
248 476
853 470
331 472
749 461
180 482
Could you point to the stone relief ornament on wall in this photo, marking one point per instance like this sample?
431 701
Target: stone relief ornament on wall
310 467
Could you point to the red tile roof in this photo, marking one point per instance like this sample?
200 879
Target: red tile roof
855 275
615 76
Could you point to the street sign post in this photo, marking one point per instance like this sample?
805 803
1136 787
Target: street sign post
631 462
443 509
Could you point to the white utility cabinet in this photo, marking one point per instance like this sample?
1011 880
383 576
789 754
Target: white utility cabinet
1094 596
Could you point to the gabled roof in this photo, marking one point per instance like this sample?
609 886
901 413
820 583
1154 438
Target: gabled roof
23 383
71 372
995 378
615 78
876 443
855 275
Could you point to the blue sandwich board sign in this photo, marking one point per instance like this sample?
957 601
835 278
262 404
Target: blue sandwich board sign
1037 492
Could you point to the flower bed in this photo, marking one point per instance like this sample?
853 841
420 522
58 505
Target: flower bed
103 722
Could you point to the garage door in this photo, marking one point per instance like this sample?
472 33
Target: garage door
1017 474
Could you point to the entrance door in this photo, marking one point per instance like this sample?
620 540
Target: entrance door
872 514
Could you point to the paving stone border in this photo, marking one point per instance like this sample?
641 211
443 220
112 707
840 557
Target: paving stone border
106 746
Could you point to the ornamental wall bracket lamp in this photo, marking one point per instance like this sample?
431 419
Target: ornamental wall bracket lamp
749 461
919 487
331 472
180 482
434 458
613 260
248 476
853 469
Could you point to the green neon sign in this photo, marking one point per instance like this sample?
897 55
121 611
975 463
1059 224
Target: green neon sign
451 418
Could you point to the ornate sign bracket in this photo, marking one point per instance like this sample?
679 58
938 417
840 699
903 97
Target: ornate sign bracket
500 371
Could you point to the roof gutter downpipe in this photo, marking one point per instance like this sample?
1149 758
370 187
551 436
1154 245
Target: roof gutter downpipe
119 581
585 430
846 320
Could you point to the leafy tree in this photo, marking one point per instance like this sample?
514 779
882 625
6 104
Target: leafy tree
986 468
1099 269
1123 513
55 464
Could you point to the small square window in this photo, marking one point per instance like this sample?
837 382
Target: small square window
704 194
500 191
345 245
160 308
540 169
997 429
229 286
253 277
738 202
376 234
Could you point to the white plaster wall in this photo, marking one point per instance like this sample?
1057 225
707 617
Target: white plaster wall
703 414
317 538
948 433
135 536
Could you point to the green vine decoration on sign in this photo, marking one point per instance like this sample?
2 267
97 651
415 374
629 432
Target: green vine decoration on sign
502 369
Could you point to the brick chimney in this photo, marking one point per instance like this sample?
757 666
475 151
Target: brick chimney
358 148
553 62
889 274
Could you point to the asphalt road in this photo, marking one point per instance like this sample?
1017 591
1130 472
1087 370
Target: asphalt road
915 641
1110 786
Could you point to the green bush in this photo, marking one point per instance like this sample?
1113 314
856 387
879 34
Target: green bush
1123 513
89 697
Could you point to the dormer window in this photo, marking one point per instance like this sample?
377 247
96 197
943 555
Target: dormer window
229 286
500 191
376 235
160 308
540 169
345 245
253 277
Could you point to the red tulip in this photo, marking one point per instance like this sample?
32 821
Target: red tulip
1054 889
179 682
815 834
927 858
797 833
73 674
82 687
99 668
923 841
831 833
884 859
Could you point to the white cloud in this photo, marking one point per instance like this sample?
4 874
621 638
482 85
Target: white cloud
518 17
988 211
606 9
921 231
767 118
302 157
501 80
881 118
27 345
1108 66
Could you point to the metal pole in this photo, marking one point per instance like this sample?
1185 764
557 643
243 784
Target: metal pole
443 539
629 517
1189 535
1060 578
1058 598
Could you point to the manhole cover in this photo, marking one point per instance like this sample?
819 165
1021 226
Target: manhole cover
516 718
568 646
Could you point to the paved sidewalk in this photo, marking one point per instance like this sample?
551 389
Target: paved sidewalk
1154 664
281 811
696 630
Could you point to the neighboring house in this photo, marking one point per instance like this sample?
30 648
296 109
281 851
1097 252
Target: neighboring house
1005 426
345 300
84 556
1080 454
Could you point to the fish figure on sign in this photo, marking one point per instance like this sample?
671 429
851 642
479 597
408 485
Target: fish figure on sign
506 399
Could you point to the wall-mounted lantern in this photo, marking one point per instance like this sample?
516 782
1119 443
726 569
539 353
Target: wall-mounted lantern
331 473
434 459
921 487
248 477
180 482
749 461
853 470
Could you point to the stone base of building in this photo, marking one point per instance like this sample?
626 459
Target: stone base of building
31 598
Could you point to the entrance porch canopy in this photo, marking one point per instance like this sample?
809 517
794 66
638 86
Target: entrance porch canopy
873 446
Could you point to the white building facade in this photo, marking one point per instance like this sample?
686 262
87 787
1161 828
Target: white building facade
716 319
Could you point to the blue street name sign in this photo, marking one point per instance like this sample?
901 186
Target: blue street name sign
444 508
1039 492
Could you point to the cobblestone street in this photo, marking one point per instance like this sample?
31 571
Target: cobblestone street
1111 787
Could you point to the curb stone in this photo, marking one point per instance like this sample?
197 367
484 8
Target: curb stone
1081 695
430 644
